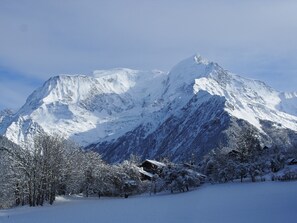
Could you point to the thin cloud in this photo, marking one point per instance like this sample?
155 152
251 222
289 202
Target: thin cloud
45 38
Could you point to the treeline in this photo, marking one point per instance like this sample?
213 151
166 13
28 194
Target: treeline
54 167
176 178
248 160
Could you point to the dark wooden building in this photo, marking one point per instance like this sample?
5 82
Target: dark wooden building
152 166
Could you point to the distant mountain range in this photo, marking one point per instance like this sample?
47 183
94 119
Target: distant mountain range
196 107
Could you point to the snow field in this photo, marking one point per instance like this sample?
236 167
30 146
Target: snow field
223 203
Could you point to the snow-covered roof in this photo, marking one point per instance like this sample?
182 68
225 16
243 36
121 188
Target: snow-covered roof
142 171
156 163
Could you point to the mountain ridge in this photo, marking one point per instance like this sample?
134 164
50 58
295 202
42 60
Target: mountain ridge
123 111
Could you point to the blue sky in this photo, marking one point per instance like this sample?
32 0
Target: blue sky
40 39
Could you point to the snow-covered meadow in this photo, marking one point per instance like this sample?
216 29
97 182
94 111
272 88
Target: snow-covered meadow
232 202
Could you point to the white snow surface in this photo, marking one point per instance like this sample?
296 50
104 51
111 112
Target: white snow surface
108 104
272 202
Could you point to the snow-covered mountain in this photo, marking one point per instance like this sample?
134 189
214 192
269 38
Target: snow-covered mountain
88 108
207 107
194 108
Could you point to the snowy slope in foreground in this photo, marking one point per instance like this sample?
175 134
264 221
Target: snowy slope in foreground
250 202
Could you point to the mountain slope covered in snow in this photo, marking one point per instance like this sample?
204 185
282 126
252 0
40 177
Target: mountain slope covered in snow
87 108
194 108
206 108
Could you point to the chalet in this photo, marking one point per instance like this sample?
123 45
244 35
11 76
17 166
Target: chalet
149 168
152 166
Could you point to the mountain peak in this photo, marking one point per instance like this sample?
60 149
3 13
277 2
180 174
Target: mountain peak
184 74
200 60
194 66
